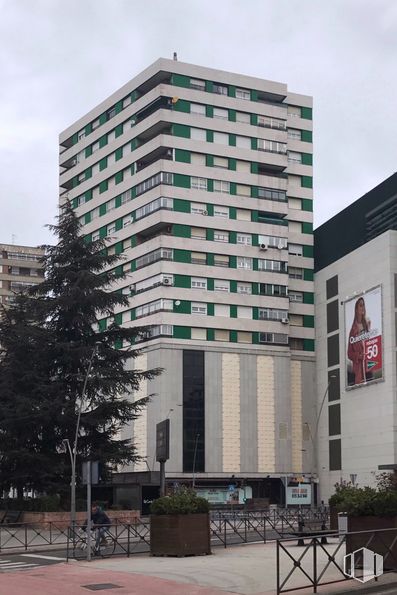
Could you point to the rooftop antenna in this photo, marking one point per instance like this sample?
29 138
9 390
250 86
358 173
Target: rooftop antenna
175 57
13 238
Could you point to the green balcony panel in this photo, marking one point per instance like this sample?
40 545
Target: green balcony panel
103 119
308 251
307 113
102 209
254 191
233 286
254 144
233 311
254 120
209 160
182 332
182 256
88 129
88 151
232 213
119 153
87 218
308 344
232 164
181 130
182 106
210 284
308 321
88 195
306 182
119 224
181 206
102 324
255 313
210 310
183 307
118 318
119 107
182 281
103 186
210 209
232 237
210 234
307 136
210 259
181 181
308 275
180 80
254 167
103 141
308 297
103 231
307 204
233 336
307 159
88 173
232 115
233 188
231 91
210 334
307 227
103 163
232 140
232 262
118 178
88 238
209 111
210 185
255 239
209 86
210 136
254 95
181 231
182 156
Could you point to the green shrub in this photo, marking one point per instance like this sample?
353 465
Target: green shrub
183 502
355 501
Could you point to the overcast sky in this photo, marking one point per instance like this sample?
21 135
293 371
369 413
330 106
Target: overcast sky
59 58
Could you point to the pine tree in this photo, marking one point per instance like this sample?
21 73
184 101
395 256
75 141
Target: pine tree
76 295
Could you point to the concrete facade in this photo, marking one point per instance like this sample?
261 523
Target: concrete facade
202 180
367 411
20 267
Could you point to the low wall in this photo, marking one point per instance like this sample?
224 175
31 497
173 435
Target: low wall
61 520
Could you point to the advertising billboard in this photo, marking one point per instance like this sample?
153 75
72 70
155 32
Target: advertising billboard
363 338
299 494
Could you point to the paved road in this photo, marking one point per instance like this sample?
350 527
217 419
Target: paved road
19 562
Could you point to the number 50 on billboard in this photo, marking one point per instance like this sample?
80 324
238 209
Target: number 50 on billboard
363 338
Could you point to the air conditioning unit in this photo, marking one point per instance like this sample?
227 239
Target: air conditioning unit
167 281
205 212
285 320
169 152
132 122
74 161
132 288
169 229
262 246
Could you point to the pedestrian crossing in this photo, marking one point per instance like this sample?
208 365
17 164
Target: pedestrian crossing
10 565
19 562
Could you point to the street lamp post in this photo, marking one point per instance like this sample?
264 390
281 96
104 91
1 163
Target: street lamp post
73 451
314 437
194 461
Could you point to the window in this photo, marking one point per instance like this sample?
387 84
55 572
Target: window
199 308
221 211
221 186
222 310
244 238
95 147
294 134
295 226
198 233
295 296
243 142
154 256
243 190
223 114
243 118
95 236
295 249
199 283
221 236
294 157
219 89
148 283
125 197
152 307
296 344
111 113
243 215
221 260
277 338
221 162
243 94
95 124
199 334
221 138
111 229
198 208
244 337
268 122
198 134
294 111
157 331
275 266
244 288
199 183
273 241
197 108
197 159
244 312
295 203
198 258
81 134
271 146
160 178
154 205
126 101
270 289
197 84
221 285
272 194
243 262
295 273
272 314
221 335
296 319
243 166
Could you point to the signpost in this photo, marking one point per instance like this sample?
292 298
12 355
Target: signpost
90 476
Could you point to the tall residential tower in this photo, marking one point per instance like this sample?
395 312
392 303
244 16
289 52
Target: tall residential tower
202 180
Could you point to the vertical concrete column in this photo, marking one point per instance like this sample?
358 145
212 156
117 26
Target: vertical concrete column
231 412
139 427
296 416
266 414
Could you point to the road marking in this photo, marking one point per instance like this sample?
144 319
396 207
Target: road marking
17 565
42 557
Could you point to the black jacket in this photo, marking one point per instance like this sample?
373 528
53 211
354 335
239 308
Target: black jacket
98 518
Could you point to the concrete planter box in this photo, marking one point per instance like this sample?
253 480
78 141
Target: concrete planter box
180 535
380 543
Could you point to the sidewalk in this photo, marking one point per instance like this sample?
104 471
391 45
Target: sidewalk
245 570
